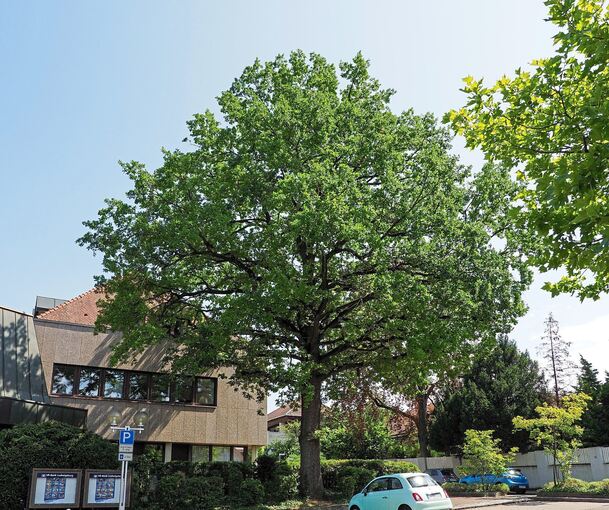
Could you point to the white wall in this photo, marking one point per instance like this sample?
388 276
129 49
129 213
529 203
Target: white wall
592 464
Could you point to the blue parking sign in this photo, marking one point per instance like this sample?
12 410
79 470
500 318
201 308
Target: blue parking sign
126 437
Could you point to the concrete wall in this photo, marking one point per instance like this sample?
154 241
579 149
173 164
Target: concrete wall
235 421
592 464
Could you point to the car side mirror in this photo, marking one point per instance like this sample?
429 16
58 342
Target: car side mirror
365 492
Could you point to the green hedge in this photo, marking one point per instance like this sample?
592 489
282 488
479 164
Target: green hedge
184 485
47 445
343 478
576 486
475 487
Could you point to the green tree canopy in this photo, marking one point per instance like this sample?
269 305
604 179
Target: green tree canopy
552 123
501 384
557 430
595 420
310 231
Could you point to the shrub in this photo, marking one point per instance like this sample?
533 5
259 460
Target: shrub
359 472
575 486
251 492
47 445
280 480
475 487
144 476
168 491
200 493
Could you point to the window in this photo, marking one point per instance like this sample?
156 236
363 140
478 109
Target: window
183 390
63 380
239 453
88 382
114 381
377 485
220 453
394 484
206 391
160 387
141 447
421 481
139 386
200 453
180 451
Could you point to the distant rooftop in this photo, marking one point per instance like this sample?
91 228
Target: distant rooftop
46 303
81 309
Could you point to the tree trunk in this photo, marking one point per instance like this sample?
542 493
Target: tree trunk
421 400
310 467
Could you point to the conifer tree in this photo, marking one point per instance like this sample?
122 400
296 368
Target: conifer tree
557 363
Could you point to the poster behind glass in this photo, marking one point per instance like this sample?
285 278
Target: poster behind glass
102 488
54 488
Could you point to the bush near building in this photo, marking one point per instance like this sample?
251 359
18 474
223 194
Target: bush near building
576 486
235 485
159 486
47 445
456 488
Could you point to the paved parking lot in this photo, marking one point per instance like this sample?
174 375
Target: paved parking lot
554 505
529 505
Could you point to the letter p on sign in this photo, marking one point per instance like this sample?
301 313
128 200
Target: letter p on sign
126 437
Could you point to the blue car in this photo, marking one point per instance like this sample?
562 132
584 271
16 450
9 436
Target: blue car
513 478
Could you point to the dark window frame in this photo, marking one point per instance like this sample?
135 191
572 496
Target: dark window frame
210 453
127 373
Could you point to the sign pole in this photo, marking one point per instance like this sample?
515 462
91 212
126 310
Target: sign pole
126 438
121 501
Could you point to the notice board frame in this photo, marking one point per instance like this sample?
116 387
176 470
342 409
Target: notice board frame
33 483
87 480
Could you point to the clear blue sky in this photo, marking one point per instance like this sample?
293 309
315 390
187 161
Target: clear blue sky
85 84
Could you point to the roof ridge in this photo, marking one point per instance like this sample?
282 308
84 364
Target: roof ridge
69 301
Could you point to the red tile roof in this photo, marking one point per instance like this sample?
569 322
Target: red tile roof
284 411
79 310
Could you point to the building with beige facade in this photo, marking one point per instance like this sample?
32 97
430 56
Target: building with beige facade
194 418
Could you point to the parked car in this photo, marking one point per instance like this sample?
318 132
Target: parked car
403 491
513 478
443 475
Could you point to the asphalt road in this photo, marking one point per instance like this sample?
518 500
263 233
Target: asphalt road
556 505
529 505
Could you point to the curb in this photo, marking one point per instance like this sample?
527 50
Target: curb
574 499
497 502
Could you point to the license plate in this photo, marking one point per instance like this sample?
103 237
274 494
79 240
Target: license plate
522 487
435 495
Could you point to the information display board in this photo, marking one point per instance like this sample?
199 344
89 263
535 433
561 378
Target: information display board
102 488
55 488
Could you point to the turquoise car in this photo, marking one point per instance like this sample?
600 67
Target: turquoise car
403 491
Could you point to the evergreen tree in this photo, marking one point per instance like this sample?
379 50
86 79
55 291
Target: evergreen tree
602 423
501 384
595 420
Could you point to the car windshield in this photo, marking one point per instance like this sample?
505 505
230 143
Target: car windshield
514 472
421 481
447 472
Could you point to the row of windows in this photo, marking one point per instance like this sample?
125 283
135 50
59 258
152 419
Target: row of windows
195 453
131 385
198 453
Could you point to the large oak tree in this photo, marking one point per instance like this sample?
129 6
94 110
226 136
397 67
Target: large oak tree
308 232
